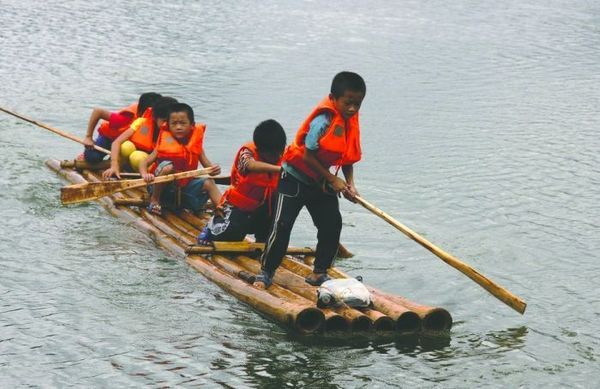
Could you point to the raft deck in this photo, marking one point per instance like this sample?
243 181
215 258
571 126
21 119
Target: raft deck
290 301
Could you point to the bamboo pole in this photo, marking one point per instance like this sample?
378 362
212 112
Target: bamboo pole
52 129
496 290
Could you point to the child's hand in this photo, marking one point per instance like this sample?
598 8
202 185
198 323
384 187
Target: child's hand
88 142
214 170
108 173
338 185
148 177
350 192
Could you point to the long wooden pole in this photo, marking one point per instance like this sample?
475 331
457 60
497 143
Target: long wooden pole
499 292
54 130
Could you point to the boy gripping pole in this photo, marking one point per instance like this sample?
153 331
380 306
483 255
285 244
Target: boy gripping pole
246 207
330 136
180 148
113 124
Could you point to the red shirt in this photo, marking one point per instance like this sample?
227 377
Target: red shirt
119 119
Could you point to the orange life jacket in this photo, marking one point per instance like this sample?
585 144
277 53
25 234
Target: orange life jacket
113 133
184 156
339 145
250 191
143 135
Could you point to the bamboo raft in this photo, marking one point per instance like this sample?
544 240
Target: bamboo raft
290 300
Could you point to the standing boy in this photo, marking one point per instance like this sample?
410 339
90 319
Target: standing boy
246 207
330 136
179 149
112 125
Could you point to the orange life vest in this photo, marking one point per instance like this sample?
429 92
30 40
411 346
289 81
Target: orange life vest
250 191
184 156
339 145
113 133
143 135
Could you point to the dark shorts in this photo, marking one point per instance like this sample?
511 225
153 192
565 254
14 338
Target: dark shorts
94 156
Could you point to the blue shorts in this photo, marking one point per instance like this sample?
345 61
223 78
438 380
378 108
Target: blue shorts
193 197
92 155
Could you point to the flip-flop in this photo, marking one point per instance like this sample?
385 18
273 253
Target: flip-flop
266 279
320 279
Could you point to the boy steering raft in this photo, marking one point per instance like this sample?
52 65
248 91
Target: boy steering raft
330 136
180 148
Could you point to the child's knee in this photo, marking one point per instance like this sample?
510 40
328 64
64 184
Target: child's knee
209 184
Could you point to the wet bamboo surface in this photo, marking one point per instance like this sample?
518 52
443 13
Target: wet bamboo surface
289 301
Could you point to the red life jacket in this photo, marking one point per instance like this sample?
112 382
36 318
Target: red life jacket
113 133
143 132
339 145
250 191
184 156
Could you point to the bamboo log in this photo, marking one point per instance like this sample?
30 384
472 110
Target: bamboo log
304 318
433 319
357 320
333 321
406 320
81 165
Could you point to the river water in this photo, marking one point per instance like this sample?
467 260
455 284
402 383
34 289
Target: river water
480 131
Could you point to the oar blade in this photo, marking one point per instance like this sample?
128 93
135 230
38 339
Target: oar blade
79 193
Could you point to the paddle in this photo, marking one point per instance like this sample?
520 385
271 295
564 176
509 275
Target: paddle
54 130
94 190
499 292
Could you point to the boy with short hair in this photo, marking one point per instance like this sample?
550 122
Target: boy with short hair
330 136
180 148
246 207
113 124
143 133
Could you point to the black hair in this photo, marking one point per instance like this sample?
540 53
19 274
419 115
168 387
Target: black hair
146 101
160 109
344 81
269 136
182 107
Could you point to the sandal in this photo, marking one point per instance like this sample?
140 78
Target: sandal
155 209
318 281
264 278
204 237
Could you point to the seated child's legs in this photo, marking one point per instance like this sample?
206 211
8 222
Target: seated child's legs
156 191
194 195
94 156
231 227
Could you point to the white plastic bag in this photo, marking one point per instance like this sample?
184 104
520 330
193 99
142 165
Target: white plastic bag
347 291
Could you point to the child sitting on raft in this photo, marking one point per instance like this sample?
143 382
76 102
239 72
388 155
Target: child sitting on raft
134 144
113 124
246 207
180 148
